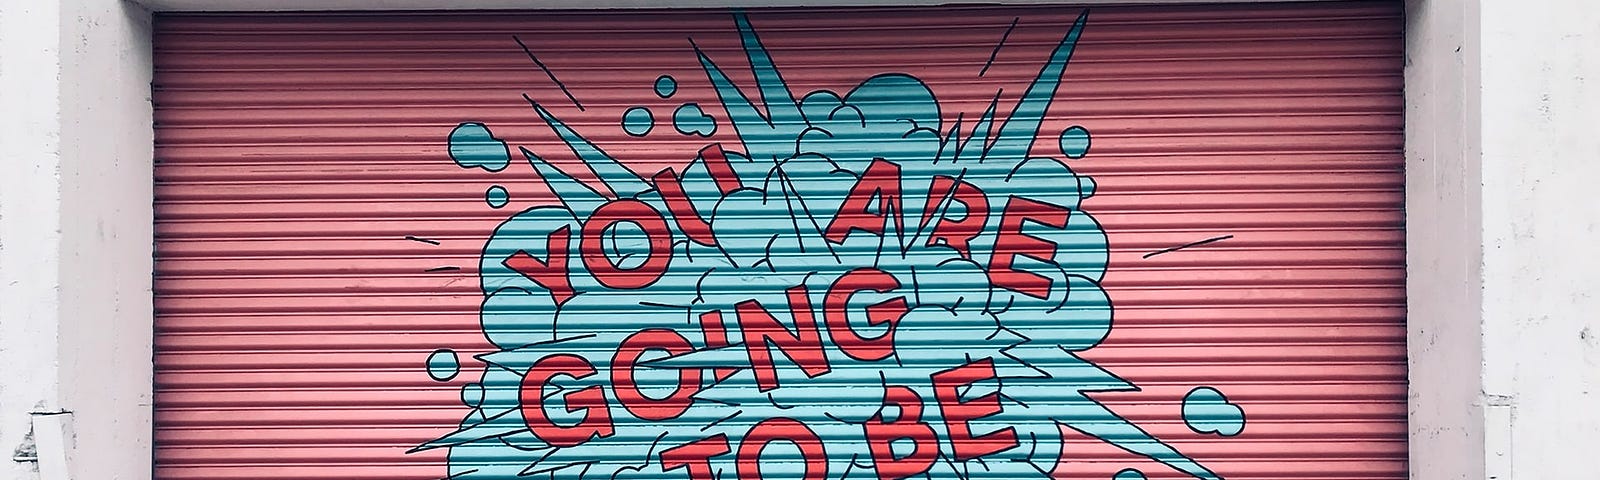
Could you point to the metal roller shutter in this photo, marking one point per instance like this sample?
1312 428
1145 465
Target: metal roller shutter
955 242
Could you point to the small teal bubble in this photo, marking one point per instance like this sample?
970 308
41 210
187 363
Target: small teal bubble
690 120
443 365
473 146
638 121
1129 474
497 196
1207 411
472 395
1075 142
666 86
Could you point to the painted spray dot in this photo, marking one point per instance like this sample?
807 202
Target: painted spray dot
1207 411
1075 142
497 196
443 364
1129 474
666 86
638 121
472 395
689 119
473 146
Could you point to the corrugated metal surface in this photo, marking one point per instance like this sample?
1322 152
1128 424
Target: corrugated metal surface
316 242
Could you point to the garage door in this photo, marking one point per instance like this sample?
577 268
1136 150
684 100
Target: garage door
945 243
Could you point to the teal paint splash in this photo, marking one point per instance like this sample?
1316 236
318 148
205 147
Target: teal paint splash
443 365
1208 411
638 121
1129 474
1074 142
496 196
666 86
473 146
689 119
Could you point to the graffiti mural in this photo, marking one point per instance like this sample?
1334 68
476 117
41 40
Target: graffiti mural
857 289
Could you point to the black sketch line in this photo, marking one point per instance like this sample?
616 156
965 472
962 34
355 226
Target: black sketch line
1187 245
997 46
548 73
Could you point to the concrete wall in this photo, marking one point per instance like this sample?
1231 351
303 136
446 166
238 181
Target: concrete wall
1443 250
75 239
1540 123
1503 139
106 230
1502 145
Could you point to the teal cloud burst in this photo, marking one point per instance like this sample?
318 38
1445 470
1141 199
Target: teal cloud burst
804 157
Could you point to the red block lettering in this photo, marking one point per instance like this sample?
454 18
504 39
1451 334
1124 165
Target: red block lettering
1012 242
627 389
958 234
957 414
907 426
885 312
550 274
785 429
590 400
803 346
649 220
689 220
716 162
881 180
695 456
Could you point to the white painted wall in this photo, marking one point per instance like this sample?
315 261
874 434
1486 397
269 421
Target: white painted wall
1503 151
75 239
1503 140
30 222
1541 225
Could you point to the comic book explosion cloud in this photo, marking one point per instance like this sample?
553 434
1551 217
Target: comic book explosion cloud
857 294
